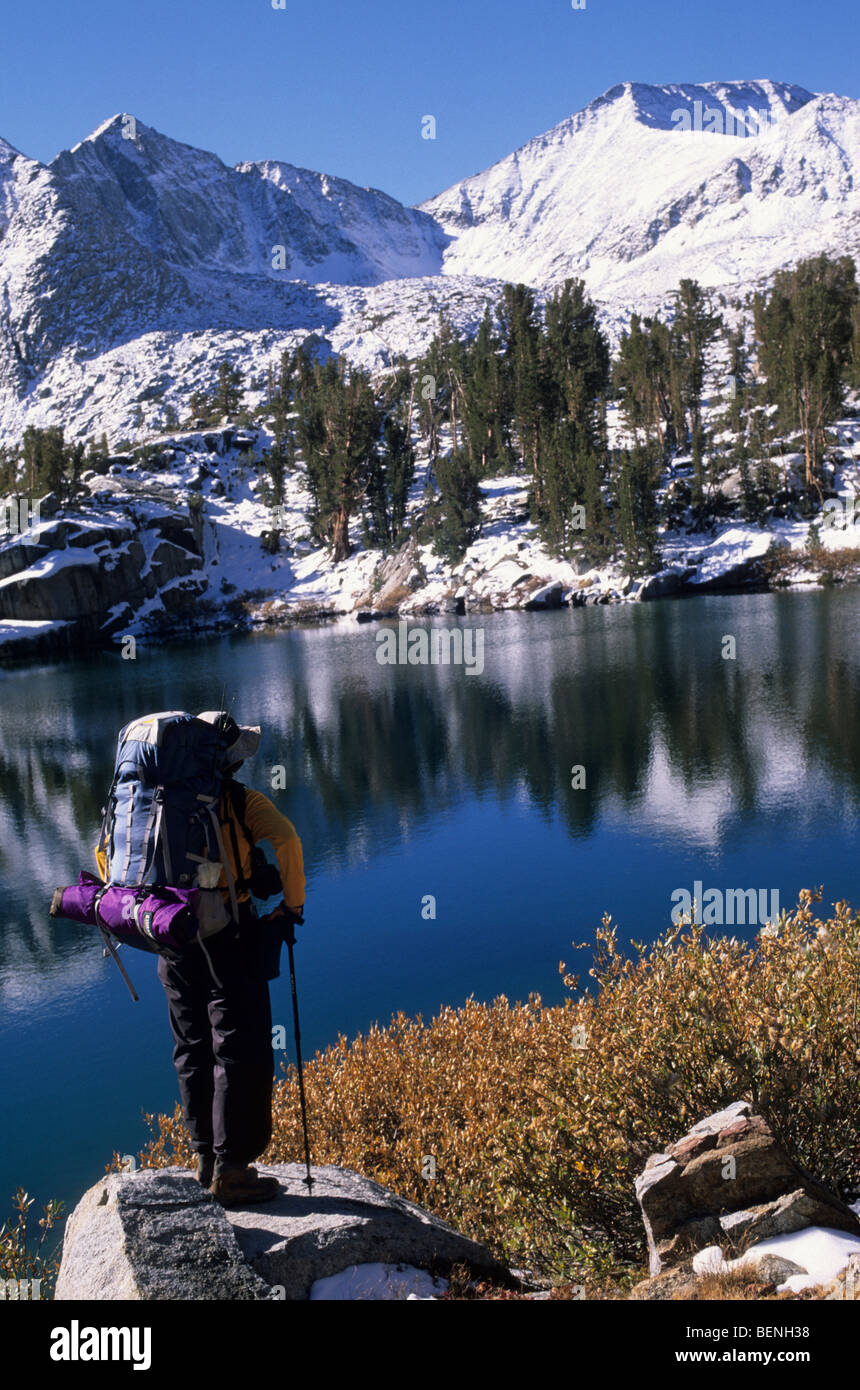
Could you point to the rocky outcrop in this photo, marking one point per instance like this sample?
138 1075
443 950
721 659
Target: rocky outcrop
729 1183
153 1236
349 1220
157 1234
548 596
94 573
394 578
667 582
748 572
82 588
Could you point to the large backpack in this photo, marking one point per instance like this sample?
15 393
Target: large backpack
161 819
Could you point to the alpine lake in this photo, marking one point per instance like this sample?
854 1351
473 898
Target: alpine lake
461 827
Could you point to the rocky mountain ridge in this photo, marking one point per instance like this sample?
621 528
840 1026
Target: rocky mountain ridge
131 264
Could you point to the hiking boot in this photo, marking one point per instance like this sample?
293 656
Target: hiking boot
205 1169
237 1183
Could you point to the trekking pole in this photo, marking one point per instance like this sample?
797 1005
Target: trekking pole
109 947
290 938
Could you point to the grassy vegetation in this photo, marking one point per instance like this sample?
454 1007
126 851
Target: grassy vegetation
537 1139
22 1259
833 566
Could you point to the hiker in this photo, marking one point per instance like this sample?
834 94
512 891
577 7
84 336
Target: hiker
218 993
179 860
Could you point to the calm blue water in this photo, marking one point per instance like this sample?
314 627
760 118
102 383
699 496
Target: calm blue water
410 781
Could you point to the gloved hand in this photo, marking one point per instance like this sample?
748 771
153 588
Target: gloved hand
290 919
278 926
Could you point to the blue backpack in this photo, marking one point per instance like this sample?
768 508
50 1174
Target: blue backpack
161 819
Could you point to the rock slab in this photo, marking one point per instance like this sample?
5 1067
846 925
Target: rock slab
348 1220
157 1234
729 1179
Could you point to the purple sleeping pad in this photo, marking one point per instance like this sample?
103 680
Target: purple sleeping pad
150 918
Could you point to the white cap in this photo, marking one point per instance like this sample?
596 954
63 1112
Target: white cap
248 741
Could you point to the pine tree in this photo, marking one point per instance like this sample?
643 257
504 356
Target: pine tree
762 433
398 450
9 469
338 428
632 378
579 361
281 457
694 329
804 330
393 466
524 371
458 512
229 391
574 381
739 367
200 407
644 378
635 478
486 423
752 501
439 375
562 518
50 465
854 365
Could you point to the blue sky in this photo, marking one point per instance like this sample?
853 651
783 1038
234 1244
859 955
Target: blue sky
341 86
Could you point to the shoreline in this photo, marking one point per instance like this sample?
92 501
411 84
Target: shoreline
157 553
60 641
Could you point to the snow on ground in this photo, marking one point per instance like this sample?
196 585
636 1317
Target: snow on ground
375 1282
50 563
732 546
109 388
19 631
822 1252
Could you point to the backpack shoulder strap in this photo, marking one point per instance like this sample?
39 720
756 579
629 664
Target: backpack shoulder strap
235 797
237 794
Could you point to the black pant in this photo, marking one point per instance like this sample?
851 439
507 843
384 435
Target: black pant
221 1020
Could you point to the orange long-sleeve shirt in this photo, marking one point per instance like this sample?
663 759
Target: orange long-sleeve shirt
265 822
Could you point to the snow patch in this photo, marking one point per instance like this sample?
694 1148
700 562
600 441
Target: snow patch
378 1282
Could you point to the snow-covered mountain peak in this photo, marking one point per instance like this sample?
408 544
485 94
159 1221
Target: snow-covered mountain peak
8 153
266 220
748 106
115 122
638 190
658 106
134 259
17 172
125 149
